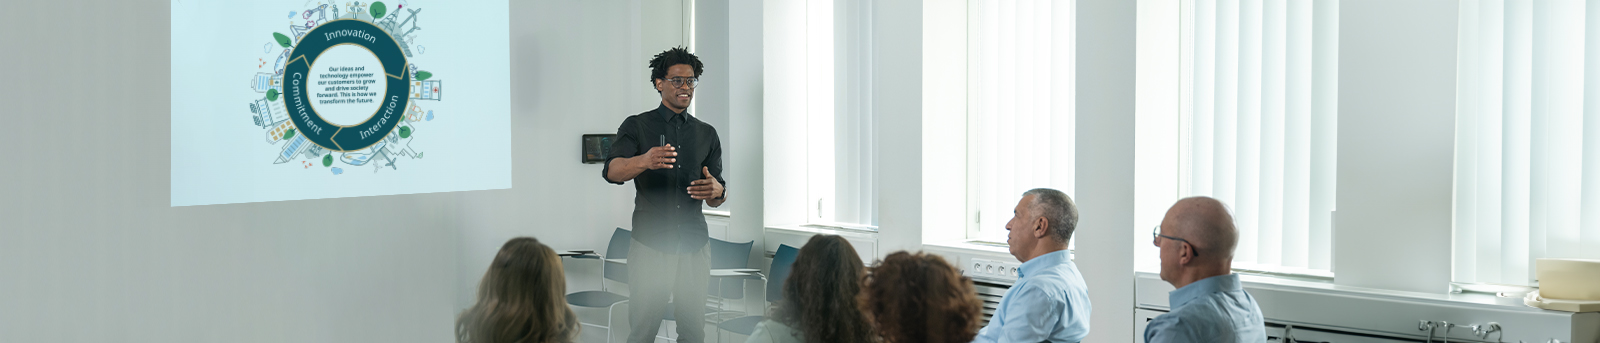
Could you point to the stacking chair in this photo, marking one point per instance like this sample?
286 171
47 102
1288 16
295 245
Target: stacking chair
617 249
782 263
728 255
723 255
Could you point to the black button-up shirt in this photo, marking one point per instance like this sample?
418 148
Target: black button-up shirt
665 218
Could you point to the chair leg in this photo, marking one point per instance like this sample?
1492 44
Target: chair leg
611 313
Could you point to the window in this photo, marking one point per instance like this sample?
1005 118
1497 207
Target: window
1256 128
818 117
1020 106
1527 163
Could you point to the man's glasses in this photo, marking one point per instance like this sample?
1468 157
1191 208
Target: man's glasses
678 82
1156 236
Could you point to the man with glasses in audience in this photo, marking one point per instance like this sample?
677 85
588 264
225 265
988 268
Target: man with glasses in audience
1050 301
1197 238
675 162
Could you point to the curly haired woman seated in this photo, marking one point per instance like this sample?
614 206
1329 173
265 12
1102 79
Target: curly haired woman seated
819 298
920 298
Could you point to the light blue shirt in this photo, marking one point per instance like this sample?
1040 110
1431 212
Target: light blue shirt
1049 303
1214 309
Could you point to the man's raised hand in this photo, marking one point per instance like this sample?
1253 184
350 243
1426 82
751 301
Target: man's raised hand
706 188
661 157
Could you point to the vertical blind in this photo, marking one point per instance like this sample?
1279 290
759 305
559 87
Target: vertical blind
1258 119
841 169
1527 163
854 154
1020 56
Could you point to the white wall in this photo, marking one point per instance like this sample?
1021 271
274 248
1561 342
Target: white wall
1104 174
576 67
91 251
1396 136
897 103
728 35
743 153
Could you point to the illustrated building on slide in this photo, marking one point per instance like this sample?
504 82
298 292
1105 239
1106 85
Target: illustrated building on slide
425 90
268 113
265 81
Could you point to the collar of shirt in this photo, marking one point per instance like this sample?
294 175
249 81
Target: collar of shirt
1215 284
667 114
1046 261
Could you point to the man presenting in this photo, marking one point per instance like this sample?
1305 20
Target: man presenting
1050 301
1197 238
675 162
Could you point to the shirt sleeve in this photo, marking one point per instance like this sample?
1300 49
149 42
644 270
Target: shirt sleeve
1165 328
625 145
714 162
1032 316
988 334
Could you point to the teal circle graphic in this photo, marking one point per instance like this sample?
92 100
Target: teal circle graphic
297 90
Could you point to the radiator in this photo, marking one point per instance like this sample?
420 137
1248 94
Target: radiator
990 292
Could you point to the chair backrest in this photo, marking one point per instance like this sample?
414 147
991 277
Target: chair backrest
618 248
782 263
728 255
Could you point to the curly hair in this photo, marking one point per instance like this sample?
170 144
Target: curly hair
674 56
522 299
918 297
819 297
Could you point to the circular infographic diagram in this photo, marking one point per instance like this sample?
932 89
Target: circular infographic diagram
345 85
344 90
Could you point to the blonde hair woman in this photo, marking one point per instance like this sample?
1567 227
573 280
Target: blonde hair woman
522 299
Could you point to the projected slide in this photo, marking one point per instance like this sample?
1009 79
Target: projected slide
344 99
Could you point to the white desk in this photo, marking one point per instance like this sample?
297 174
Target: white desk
730 273
718 273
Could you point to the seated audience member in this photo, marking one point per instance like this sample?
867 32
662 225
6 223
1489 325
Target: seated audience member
1197 238
1049 302
521 299
919 298
819 298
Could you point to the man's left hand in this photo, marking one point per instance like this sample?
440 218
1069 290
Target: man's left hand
707 188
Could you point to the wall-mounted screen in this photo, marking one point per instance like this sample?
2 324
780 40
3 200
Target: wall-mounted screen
597 146
344 99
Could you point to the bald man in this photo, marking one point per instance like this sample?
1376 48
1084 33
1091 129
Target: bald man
1197 238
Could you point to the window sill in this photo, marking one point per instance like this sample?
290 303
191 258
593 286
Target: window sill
1301 285
1263 271
833 227
976 247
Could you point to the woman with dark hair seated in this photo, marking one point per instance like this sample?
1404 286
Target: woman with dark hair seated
819 298
919 298
522 299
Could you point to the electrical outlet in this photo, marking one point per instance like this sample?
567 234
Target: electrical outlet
993 269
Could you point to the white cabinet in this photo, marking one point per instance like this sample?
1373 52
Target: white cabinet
1323 312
